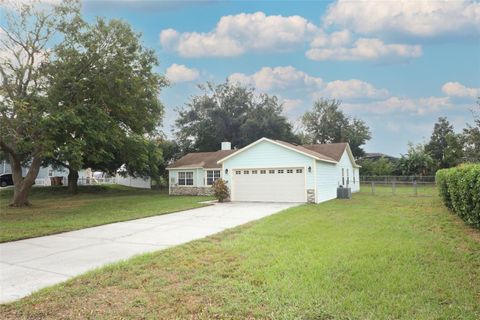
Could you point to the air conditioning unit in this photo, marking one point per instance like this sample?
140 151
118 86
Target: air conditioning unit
344 193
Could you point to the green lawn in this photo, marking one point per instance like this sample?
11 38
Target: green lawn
54 210
373 257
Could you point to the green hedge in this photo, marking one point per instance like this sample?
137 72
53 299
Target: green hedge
459 189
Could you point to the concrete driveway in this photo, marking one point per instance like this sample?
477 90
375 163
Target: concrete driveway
32 264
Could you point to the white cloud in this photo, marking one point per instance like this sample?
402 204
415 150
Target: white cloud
180 73
290 104
417 19
352 89
361 49
236 34
334 39
420 106
456 89
278 78
288 78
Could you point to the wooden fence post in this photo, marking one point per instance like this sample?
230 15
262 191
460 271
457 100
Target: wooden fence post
415 191
373 187
393 186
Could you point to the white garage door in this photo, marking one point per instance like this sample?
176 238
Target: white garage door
270 185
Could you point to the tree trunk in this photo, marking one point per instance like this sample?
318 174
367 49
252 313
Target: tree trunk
72 181
22 185
20 196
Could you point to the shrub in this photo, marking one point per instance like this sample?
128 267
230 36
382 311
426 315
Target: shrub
220 190
459 189
441 181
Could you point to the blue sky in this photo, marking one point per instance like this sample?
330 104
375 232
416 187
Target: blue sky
397 65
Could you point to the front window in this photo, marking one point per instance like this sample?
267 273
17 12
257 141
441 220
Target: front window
212 176
185 178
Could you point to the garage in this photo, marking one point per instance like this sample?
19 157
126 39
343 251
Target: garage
269 185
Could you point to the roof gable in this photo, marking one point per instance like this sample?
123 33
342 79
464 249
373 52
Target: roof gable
332 150
286 145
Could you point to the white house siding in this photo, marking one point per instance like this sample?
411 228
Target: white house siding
43 172
265 155
346 163
327 181
356 185
199 186
198 176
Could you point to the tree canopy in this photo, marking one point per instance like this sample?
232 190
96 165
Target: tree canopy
471 137
228 112
76 94
27 121
326 123
380 167
416 162
104 86
444 146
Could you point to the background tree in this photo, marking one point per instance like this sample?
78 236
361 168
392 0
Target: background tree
27 116
416 162
380 167
228 112
454 153
106 91
471 136
170 152
326 123
438 145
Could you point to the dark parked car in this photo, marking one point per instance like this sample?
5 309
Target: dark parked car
6 180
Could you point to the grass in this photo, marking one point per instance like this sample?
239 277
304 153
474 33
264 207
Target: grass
373 257
54 210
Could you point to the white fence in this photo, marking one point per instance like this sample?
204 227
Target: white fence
124 181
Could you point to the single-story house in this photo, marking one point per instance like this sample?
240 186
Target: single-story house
268 170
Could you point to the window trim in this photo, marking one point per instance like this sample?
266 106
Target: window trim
185 178
214 178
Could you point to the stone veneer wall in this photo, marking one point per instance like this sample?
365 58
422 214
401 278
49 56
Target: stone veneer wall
311 195
191 191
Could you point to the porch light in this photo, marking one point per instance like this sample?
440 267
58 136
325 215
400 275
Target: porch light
309 169
226 171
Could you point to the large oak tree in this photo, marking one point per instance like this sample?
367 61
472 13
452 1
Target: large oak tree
104 82
230 112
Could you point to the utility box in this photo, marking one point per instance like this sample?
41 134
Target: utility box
344 193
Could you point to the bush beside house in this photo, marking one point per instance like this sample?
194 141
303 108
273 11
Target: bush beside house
459 189
220 190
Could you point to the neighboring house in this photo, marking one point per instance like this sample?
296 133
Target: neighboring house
43 172
268 170
85 177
